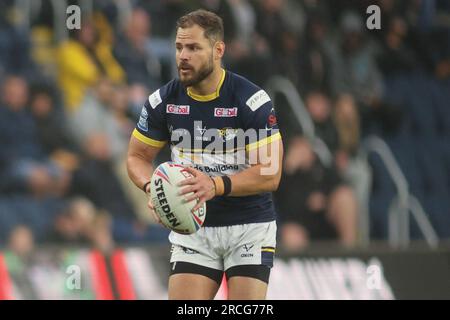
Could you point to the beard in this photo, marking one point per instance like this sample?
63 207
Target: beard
197 76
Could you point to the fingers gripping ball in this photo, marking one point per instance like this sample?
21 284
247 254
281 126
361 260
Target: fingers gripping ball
174 211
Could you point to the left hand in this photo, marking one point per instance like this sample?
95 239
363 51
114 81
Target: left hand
200 184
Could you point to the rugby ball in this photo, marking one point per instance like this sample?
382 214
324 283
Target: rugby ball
174 211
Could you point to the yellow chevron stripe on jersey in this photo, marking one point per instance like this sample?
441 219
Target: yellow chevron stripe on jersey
263 142
208 97
147 140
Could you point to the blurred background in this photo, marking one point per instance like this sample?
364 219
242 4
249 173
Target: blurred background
364 114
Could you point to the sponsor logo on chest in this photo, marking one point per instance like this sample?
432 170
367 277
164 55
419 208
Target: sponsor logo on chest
225 112
177 109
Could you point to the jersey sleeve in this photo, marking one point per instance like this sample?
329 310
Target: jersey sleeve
261 117
151 128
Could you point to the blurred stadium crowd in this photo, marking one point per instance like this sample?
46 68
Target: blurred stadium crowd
70 100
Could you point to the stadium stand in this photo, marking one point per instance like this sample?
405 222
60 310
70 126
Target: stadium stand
398 78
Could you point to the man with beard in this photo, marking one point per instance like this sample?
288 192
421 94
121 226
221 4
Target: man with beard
238 237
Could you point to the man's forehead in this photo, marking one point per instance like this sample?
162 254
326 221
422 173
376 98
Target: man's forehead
194 33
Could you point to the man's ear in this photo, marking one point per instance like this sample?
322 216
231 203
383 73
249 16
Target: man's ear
219 50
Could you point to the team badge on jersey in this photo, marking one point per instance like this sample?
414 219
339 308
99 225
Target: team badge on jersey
227 133
143 124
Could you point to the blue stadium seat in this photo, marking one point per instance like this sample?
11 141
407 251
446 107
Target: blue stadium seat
397 89
436 191
38 215
404 151
8 219
419 103
440 93
382 193
125 231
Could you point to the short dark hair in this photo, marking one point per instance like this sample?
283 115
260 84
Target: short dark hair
207 20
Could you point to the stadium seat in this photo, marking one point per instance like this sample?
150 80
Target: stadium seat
36 214
382 193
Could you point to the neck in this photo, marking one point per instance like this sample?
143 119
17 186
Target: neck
208 85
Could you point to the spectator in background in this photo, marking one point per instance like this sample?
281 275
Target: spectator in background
19 256
395 56
24 165
346 121
271 26
247 50
319 107
120 109
439 40
289 65
96 114
313 202
96 179
354 71
52 129
270 23
21 242
133 52
14 45
353 169
353 64
166 12
314 62
80 223
82 61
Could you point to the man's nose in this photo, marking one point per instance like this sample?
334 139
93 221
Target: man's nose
184 55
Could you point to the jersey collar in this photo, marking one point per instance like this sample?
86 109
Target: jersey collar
208 97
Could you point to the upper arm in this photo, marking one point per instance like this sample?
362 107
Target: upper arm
269 156
265 146
139 149
151 133
151 128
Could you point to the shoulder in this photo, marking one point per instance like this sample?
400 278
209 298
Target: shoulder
160 96
248 94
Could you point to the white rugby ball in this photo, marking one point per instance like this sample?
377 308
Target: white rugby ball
174 211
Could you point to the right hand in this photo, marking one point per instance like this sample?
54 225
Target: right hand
152 208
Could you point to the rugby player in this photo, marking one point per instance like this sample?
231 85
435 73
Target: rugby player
239 233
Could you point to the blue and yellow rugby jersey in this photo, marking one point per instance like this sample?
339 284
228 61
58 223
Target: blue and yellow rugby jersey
205 131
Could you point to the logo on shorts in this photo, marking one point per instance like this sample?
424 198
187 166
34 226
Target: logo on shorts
247 248
189 250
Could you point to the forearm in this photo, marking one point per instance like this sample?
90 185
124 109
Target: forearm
251 181
262 177
139 170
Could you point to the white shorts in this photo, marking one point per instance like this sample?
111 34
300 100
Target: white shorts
221 248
